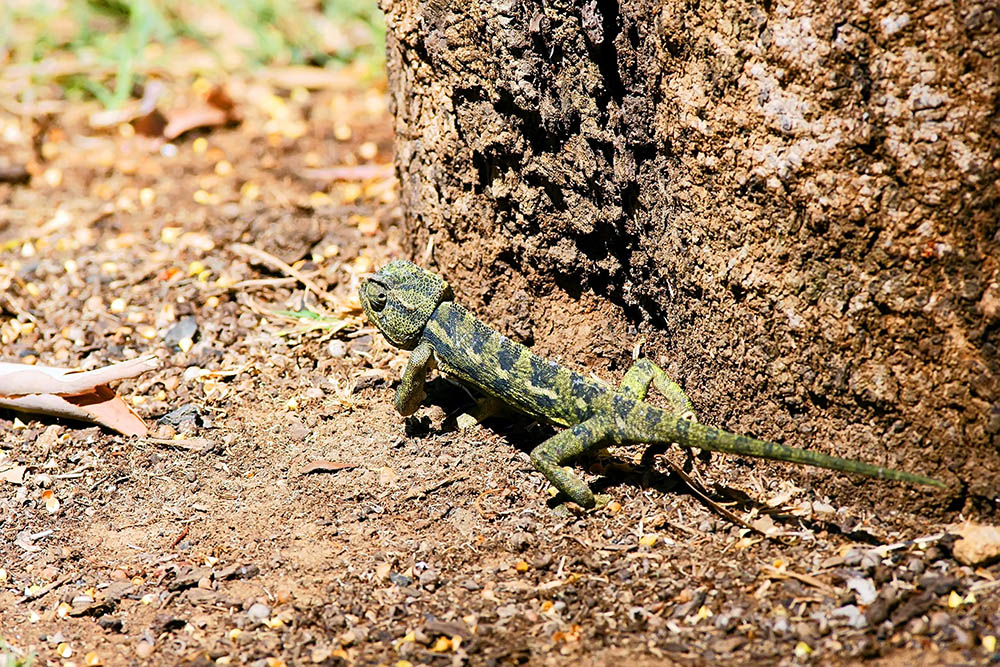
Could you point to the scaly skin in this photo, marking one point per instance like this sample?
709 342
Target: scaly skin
413 308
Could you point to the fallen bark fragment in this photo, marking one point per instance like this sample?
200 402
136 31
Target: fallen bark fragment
326 466
83 395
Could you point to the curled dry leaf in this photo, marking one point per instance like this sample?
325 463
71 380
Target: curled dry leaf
190 119
219 110
131 112
83 395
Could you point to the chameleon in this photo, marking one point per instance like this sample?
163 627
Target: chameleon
415 310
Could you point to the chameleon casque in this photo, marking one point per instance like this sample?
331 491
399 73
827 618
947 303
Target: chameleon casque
415 310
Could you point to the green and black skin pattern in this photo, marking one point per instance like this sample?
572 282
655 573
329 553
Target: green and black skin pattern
415 310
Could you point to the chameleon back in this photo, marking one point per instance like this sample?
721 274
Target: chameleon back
478 355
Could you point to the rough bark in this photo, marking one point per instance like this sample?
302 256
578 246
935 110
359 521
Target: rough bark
795 204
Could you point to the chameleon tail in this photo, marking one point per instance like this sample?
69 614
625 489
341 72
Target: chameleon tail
690 434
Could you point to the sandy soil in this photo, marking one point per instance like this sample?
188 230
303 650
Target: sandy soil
414 543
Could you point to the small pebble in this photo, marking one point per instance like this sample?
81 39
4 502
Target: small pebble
506 611
521 541
882 574
283 595
296 430
542 562
864 588
939 620
918 626
186 328
429 578
962 638
725 622
400 579
979 544
822 623
258 612
853 615
143 650
869 561
934 553
853 557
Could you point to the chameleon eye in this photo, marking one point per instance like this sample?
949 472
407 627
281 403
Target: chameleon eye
378 300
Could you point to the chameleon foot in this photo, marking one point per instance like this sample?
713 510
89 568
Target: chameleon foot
485 408
570 508
465 421
601 500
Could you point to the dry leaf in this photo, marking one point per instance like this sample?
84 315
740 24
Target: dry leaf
82 395
11 472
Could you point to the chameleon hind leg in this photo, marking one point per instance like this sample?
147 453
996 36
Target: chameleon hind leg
485 407
643 373
548 457
636 384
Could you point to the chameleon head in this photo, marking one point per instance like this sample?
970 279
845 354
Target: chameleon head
399 300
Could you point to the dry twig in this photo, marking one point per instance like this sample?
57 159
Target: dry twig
269 259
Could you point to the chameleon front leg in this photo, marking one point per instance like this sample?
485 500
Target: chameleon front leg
548 457
636 383
410 392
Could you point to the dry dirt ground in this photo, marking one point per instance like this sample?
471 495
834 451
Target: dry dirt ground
412 543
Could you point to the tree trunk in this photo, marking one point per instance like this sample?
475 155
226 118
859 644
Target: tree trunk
794 205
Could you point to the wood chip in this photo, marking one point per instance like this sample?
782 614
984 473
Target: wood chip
421 492
326 466
14 174
807 579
